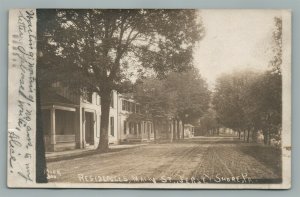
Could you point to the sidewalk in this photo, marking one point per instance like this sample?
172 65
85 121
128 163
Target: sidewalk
69 154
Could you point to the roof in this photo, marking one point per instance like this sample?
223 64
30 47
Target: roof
51 97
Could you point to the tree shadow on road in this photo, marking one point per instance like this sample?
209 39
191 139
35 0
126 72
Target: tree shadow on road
267 155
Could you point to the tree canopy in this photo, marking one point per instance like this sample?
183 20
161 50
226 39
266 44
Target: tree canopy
183 96
250 101
95 49
192 96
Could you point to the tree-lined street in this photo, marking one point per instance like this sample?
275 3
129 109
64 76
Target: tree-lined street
148 58
204 159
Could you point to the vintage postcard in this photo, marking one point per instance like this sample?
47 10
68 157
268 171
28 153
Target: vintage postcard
149 98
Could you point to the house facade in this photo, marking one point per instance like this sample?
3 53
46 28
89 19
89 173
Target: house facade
133 126
72 121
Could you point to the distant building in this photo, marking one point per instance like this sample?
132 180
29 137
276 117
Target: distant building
189 131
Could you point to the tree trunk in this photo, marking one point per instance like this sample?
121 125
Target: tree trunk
178 129
166 129
182 130
41 174
105 106
239 133
248 137
171 130
174 130
269 138
265 137
254 132
154 130
244 135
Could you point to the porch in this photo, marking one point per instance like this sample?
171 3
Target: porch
137 131
59 127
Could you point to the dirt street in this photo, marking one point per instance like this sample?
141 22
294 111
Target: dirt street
202 159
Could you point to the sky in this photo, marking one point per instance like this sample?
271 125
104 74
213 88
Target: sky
234 39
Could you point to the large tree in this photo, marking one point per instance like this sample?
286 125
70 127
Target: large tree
248 102
266 101
276 60
158 102
179 96
209 122
93 49
231 100
192 96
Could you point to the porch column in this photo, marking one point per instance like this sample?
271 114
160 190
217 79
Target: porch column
127 128
142 129
83 128
148 130
52 126
78 127
95 128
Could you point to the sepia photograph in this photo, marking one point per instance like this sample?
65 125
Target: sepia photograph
150 98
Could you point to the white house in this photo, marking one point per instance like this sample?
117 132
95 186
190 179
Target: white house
188 131
133 126
73 121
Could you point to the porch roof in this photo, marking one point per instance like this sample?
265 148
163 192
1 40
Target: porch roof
58 106
53 100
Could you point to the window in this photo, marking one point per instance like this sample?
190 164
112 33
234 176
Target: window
112 99
125 128
112 129
132 107
123 105
89 97
127 106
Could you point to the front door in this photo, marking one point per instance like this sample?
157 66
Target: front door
89 128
